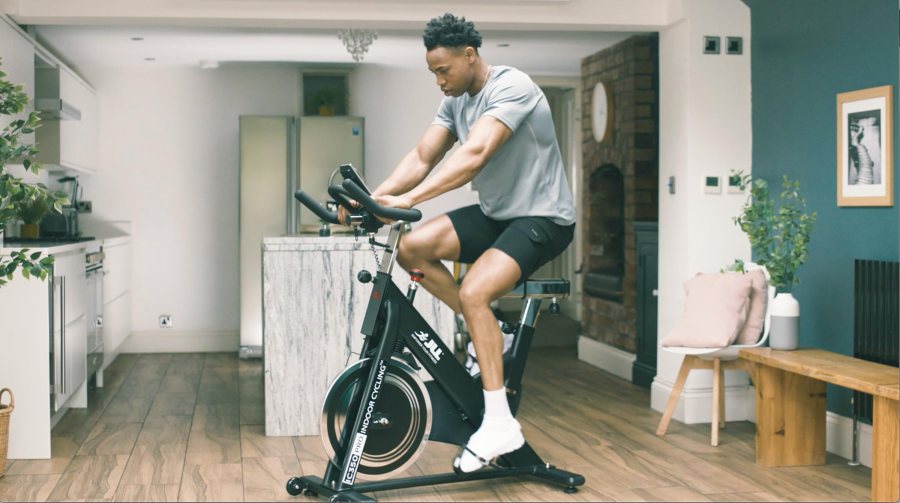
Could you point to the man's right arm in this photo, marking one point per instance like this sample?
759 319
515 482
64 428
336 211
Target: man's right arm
416 165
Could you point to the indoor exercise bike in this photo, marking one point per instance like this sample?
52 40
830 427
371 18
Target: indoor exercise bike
378 413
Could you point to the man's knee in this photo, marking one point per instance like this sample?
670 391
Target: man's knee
472 296
411 249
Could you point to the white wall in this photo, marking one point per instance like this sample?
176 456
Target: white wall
169 158
169 164
398 104
705 130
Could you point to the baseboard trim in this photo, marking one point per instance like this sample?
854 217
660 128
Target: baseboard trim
612 360
839 438
695 404
165 341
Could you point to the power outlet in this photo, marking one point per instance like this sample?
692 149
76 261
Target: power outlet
165 321
84 206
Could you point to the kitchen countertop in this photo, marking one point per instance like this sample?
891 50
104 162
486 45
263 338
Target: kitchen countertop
54 247
312 309
311 242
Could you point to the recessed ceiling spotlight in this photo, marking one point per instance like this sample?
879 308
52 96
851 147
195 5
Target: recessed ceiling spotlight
137 39
208 64
149 59
503 45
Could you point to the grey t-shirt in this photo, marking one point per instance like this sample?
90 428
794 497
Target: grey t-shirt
525 176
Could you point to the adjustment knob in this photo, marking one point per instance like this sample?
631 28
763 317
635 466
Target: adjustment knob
554 307
416 275
364 276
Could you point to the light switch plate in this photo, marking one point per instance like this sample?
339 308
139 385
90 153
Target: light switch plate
734 185
712 185
712 44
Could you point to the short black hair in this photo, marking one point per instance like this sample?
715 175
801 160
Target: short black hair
451 32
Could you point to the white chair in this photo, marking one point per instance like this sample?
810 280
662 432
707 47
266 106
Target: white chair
718 360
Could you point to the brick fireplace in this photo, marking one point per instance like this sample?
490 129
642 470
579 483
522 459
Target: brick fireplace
620 185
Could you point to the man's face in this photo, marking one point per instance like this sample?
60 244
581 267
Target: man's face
453 69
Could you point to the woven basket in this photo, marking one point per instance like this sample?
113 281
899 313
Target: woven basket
5 412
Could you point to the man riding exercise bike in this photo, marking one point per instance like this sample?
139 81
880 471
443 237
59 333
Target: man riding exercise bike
525 216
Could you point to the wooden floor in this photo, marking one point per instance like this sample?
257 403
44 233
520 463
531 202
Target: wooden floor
189 427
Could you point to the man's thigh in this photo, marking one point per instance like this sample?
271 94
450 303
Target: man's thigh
436 239
475 232
532 242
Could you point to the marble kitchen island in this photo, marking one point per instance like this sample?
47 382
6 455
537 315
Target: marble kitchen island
313 308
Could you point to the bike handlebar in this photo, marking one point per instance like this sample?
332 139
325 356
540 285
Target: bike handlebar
341 196
357 192
315 207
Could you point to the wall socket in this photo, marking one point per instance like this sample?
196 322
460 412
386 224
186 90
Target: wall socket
165 321
84 206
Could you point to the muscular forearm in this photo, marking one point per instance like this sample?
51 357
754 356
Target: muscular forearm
459 170
409 172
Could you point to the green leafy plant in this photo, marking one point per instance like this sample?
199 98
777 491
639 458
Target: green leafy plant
35 206
19 198
328 96
778 233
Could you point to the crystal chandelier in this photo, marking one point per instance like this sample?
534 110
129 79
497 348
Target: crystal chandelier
357 42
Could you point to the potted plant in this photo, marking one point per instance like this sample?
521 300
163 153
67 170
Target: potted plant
16 196
779 239
32 209
328 99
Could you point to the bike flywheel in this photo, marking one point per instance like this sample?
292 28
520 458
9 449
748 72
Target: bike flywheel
398 425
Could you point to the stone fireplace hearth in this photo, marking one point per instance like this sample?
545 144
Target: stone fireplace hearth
621 185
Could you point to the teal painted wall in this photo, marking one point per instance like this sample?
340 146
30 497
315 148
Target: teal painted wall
805 52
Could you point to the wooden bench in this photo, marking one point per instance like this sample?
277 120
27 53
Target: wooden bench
790 409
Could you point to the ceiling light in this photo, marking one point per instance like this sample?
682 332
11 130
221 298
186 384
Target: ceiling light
208 64
357 42
503 45
149 59
137 39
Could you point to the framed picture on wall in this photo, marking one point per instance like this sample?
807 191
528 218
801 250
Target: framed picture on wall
865 162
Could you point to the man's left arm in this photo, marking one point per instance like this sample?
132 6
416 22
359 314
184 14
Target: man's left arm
485 137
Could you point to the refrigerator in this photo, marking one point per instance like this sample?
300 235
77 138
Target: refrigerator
279 154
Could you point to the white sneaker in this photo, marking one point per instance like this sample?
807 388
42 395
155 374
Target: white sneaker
472 359
495 437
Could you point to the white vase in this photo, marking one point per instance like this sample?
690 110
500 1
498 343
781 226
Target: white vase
785 331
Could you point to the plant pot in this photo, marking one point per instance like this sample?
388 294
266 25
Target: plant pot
785 332
29 230
5 412
326 110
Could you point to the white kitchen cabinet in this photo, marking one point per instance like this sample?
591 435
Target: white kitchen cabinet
116 297
43 333
69 325
68 142
17 61
78 139
116 326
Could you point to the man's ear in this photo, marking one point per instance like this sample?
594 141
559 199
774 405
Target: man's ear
470 53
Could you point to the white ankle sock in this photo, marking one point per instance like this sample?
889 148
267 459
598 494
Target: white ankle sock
496 436
496 405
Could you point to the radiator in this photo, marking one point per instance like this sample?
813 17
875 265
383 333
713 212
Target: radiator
876 320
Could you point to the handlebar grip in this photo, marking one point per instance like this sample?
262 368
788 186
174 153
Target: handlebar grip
341 195
411 215
315 207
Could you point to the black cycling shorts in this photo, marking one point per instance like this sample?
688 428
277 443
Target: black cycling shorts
530 241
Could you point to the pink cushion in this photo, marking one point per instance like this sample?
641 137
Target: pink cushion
756 314
714 311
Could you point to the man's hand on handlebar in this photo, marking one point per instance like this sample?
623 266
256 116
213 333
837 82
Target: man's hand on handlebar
343 214
392 202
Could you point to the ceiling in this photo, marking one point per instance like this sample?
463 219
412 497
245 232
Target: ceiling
538 53
541 37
